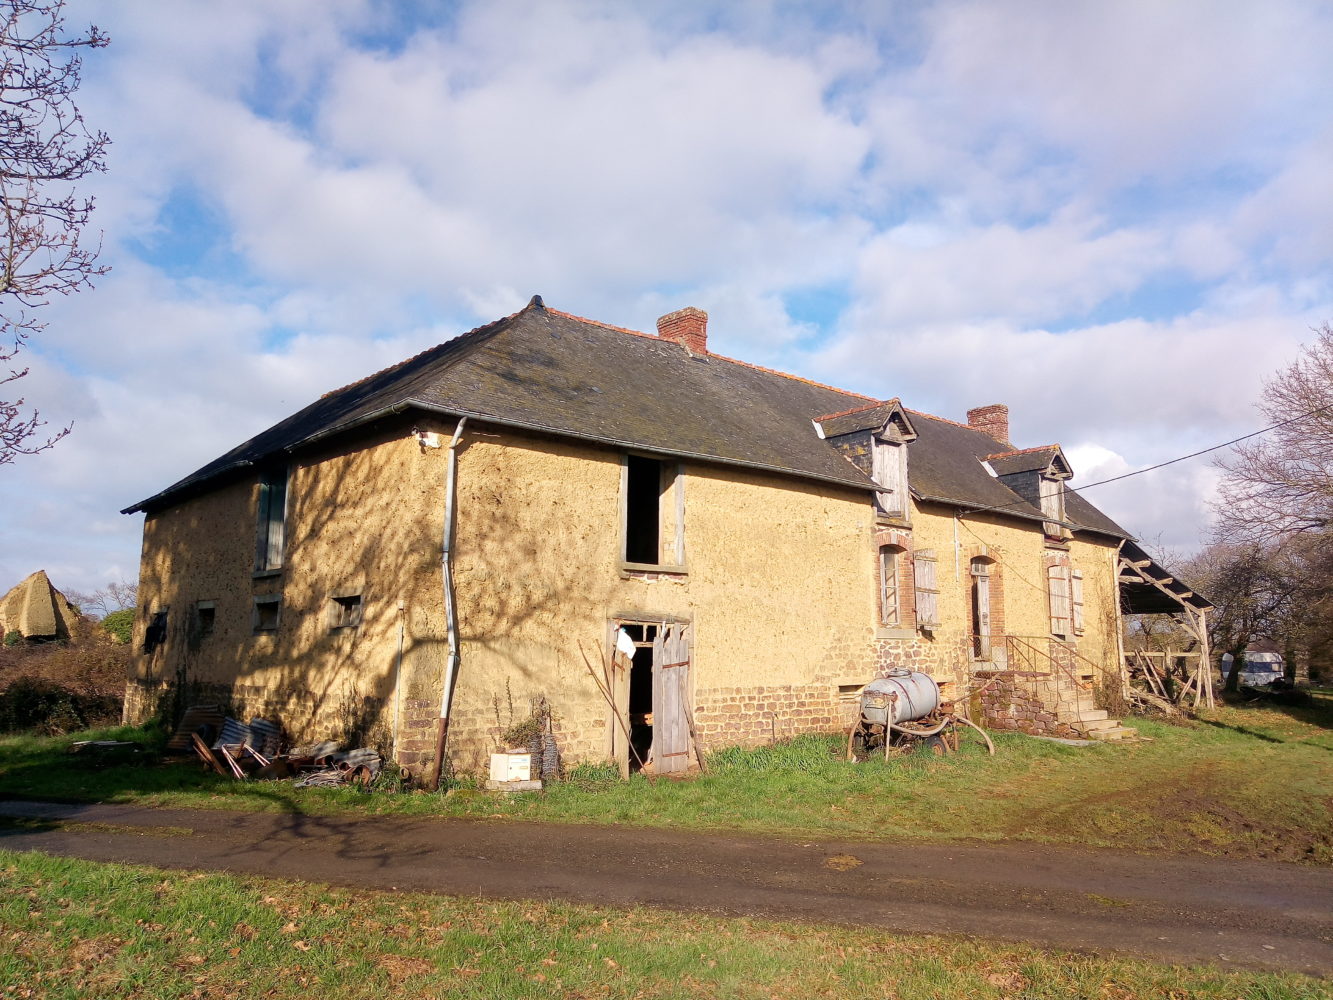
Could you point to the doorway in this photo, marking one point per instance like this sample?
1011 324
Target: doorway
651 695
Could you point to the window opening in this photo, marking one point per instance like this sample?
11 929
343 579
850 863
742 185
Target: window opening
156 633
205 618
345 612
268 612
981 625
653 508
271 527
890 611
643 510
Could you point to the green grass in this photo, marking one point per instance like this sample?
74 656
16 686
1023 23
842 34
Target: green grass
1252 782
76 929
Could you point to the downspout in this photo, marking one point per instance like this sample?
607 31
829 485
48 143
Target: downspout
1122 668
450 608
398 676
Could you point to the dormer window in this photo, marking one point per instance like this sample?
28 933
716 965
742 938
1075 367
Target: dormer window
1053 506
890 473
874 438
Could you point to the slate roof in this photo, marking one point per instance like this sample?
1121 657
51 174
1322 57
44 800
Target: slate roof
544 370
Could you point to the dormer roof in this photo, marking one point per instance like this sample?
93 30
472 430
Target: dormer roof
881 418
1048 460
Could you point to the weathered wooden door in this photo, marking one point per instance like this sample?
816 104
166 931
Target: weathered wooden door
671 691
622 662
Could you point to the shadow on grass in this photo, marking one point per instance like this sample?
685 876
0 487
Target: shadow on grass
1309 708
276 815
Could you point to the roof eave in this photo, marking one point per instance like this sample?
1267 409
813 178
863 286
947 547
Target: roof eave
166 496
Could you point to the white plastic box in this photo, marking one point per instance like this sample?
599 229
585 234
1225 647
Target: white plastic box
511 766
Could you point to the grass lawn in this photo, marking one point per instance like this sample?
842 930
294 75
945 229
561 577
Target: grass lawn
1244 782
78 929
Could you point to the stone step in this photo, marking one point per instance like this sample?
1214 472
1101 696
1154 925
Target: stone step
1080 714
1096 725
1118 733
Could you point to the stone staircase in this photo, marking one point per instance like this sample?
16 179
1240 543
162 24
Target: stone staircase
1066 689
1083 716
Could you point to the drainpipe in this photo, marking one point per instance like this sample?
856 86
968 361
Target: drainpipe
1121 668
398 675
450 608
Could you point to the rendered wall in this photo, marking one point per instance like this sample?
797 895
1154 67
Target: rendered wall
1020 604
776 590
363 519
779 587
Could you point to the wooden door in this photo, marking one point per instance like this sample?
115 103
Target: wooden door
622 662
671 691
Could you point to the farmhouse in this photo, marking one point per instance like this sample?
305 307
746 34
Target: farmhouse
486 523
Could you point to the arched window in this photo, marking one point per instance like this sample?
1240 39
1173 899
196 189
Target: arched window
890 594
981 622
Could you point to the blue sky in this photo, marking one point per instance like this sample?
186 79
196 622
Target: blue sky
1116 218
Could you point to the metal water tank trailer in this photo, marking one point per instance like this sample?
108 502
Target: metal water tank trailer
902 696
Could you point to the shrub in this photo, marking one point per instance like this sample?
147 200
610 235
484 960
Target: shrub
120 624
44 705
13 638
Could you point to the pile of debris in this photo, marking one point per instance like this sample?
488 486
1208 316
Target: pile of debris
242 750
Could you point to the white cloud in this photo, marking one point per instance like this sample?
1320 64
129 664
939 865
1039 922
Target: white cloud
303 193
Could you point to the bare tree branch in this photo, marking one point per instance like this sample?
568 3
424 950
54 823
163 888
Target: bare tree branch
45 146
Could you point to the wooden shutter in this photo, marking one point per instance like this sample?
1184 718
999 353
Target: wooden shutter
1076 586
671 679
1057 578
927 590
272 520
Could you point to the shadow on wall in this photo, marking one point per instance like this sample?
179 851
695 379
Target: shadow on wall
366 520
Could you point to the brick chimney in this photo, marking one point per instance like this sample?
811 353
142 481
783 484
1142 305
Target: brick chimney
993 419
687 327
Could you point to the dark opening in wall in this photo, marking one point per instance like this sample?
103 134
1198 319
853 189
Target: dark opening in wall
643 510
641 691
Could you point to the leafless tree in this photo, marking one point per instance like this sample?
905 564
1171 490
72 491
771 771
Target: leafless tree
1280 589
45 146
101 602
1282 482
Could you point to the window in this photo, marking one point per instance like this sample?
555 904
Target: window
1076 598
890 609
205 617
981 624
1053 506
890 472
345 611
271 522
156 633
268 612
1062 617
653 498
927 589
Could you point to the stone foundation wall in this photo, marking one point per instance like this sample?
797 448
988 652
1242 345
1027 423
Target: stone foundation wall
1020 700
750 716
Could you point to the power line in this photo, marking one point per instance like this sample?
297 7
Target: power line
1162 465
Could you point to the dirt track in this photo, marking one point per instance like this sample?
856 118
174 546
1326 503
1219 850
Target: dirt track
1181 909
